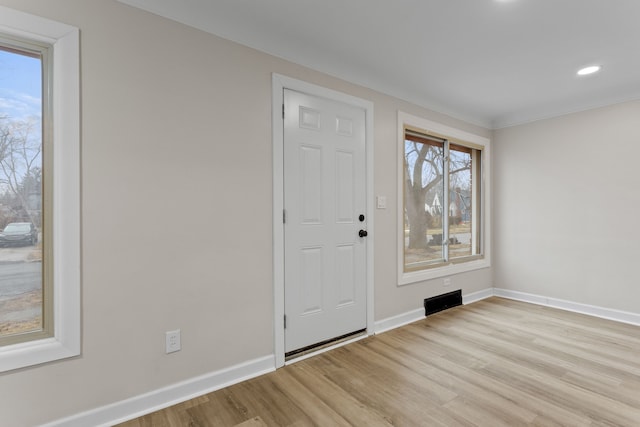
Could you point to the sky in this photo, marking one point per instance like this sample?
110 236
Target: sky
20 103
20 86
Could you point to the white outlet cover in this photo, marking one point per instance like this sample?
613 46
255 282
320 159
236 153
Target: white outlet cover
172 341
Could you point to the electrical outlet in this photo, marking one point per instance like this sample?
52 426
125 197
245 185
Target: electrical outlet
446 282
172 341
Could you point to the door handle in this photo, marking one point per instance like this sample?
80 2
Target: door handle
362 233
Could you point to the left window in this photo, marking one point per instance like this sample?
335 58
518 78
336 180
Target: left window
26 300
39 190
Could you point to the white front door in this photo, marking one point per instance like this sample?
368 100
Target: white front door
325 207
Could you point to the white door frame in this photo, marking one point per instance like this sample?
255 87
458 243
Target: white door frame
279 83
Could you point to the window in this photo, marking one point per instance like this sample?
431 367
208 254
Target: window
442 194
39 190
25 304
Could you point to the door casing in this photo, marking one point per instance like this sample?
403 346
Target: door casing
279 83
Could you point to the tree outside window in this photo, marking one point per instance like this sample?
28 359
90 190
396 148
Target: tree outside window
441 200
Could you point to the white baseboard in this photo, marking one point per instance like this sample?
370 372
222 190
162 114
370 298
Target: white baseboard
477 296
398 320
162 398
591 310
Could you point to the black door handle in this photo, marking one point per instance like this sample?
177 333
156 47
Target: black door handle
362 233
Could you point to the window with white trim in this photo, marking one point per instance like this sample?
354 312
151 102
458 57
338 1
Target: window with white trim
442 200
25 304
39 190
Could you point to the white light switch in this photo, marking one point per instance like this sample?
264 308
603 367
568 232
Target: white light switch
381 202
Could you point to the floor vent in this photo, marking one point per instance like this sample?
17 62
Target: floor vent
442 302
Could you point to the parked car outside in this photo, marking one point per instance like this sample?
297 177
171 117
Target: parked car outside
19 234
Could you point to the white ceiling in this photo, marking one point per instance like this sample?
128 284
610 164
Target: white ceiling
491 62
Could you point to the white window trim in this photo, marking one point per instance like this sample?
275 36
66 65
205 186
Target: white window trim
66 189
405 278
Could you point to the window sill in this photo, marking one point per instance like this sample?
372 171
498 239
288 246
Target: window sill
442 271
34 353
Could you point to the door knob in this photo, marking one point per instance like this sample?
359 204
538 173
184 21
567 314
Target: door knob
362 233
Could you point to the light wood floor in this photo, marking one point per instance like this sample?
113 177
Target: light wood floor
492 363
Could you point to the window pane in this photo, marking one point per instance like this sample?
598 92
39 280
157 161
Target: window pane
462 240
21 106
423 200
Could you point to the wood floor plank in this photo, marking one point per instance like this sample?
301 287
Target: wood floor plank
387 396
253 422
354 411
223 408
496 362
307 400
458 365
481 391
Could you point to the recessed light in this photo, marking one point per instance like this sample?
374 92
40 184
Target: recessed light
589 70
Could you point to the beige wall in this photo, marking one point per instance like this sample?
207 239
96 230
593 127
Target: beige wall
177 215
566 207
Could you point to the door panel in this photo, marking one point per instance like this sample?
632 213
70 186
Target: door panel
345 190
311 184
324 195
311 280
346 278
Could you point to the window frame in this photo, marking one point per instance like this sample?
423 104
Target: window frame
21 46
455 265
63 188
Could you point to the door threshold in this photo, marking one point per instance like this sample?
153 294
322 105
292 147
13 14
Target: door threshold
321 347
